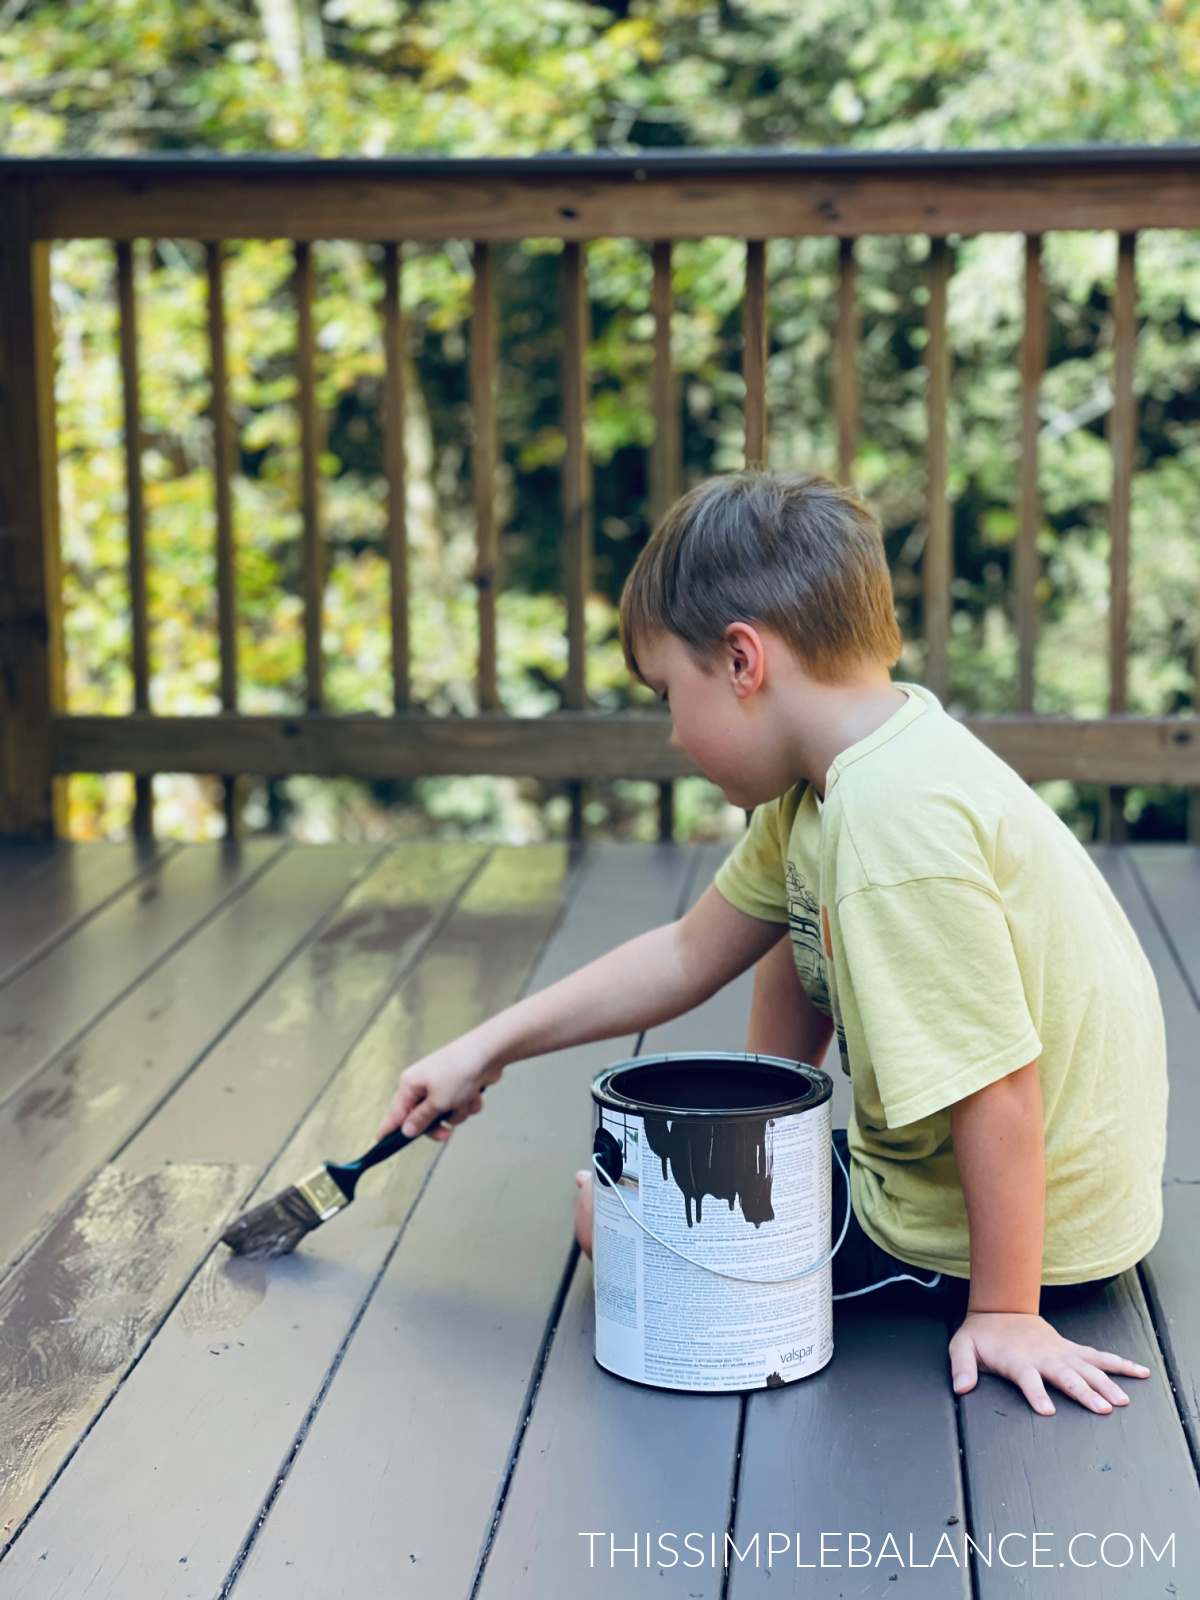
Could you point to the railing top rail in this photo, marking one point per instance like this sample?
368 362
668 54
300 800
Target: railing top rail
607 164
678 194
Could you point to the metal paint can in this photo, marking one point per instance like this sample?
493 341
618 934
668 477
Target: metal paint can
711 1242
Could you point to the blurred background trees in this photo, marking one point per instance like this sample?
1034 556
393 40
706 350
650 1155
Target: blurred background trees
383 77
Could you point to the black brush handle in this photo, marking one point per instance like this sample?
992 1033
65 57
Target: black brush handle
346 1175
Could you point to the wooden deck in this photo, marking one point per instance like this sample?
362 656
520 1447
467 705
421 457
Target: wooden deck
409 1405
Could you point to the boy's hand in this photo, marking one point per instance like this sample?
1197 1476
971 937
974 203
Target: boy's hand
1026 1349
451 1079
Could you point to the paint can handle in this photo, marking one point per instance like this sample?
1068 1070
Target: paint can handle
730 1277
851 1294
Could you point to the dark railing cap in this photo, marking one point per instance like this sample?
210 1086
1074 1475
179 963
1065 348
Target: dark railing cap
609 164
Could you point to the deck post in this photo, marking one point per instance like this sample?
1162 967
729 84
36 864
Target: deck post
31 649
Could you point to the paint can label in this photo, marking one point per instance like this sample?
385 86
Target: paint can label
760 1208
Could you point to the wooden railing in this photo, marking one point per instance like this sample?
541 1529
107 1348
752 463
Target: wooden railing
657 197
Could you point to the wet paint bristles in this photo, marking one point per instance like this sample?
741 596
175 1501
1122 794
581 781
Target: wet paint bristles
277 1226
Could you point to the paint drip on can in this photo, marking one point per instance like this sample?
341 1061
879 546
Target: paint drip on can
712 1204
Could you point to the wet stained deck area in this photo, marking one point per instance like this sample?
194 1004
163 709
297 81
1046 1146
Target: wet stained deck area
409 1405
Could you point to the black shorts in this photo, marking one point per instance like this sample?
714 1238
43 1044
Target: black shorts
860 1262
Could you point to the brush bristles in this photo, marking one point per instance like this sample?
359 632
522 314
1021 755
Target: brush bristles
272 1229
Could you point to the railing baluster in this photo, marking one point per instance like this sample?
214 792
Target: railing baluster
1033 365
222 496
143 806
222 476
754 354
576 490
394 466
849 333
938 562
483 468
577 527
306 402
1122 437
665 462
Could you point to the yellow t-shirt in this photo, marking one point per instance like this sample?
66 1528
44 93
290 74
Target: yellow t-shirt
955 929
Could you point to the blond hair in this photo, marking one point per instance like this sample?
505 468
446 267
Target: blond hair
791 550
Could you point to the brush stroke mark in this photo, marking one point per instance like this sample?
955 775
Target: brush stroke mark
222 1295
730 1160
81 1306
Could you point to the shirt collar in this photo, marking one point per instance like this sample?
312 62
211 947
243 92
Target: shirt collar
918 701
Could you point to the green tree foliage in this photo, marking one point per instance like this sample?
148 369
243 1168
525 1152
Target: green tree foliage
376 77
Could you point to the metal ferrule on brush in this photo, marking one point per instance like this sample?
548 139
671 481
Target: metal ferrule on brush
322 1193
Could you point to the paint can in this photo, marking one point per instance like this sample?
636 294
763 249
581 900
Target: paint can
711 1241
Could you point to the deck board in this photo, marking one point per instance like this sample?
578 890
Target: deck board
1078 1471
93 1291
1148 885
372 1415
1169 878
52 1002
408 1454
209 1417
587 1461
73 1117
20 861
869 1444
54 894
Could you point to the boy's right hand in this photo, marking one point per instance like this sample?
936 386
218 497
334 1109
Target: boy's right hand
449 1080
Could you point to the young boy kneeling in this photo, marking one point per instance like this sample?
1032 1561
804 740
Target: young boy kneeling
993 1009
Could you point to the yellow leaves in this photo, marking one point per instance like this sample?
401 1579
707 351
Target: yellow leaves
637 36
1184 17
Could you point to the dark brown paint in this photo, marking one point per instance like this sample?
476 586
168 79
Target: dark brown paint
724 1158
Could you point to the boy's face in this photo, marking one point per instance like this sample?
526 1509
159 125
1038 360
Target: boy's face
719 715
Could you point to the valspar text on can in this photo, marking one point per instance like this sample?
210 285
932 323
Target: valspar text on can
712 1198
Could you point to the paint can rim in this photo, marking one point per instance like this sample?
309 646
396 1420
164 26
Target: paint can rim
818 1086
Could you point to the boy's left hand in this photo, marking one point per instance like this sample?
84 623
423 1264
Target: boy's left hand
1025 1349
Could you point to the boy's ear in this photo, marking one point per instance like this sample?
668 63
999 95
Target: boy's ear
745 659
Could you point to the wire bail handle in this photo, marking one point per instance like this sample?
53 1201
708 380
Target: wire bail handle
731 1277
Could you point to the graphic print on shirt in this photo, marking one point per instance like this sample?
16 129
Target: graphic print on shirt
804 921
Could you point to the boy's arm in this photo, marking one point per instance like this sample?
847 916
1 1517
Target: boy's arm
783 1020
999 1145
641 983
1001 1152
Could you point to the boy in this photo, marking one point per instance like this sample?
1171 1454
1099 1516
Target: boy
994 1012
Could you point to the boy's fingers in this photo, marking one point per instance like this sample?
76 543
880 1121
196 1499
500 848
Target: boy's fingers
1077 1386
467 1109
1111 1363
963 1364
395 1114
419 1117
1029 1381
1103 1384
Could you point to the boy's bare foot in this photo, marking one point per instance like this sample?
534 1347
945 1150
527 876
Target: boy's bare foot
583 1212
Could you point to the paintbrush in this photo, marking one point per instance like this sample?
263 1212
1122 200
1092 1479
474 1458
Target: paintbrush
277 1226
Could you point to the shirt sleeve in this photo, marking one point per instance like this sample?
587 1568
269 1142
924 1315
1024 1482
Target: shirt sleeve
752 877
935 997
